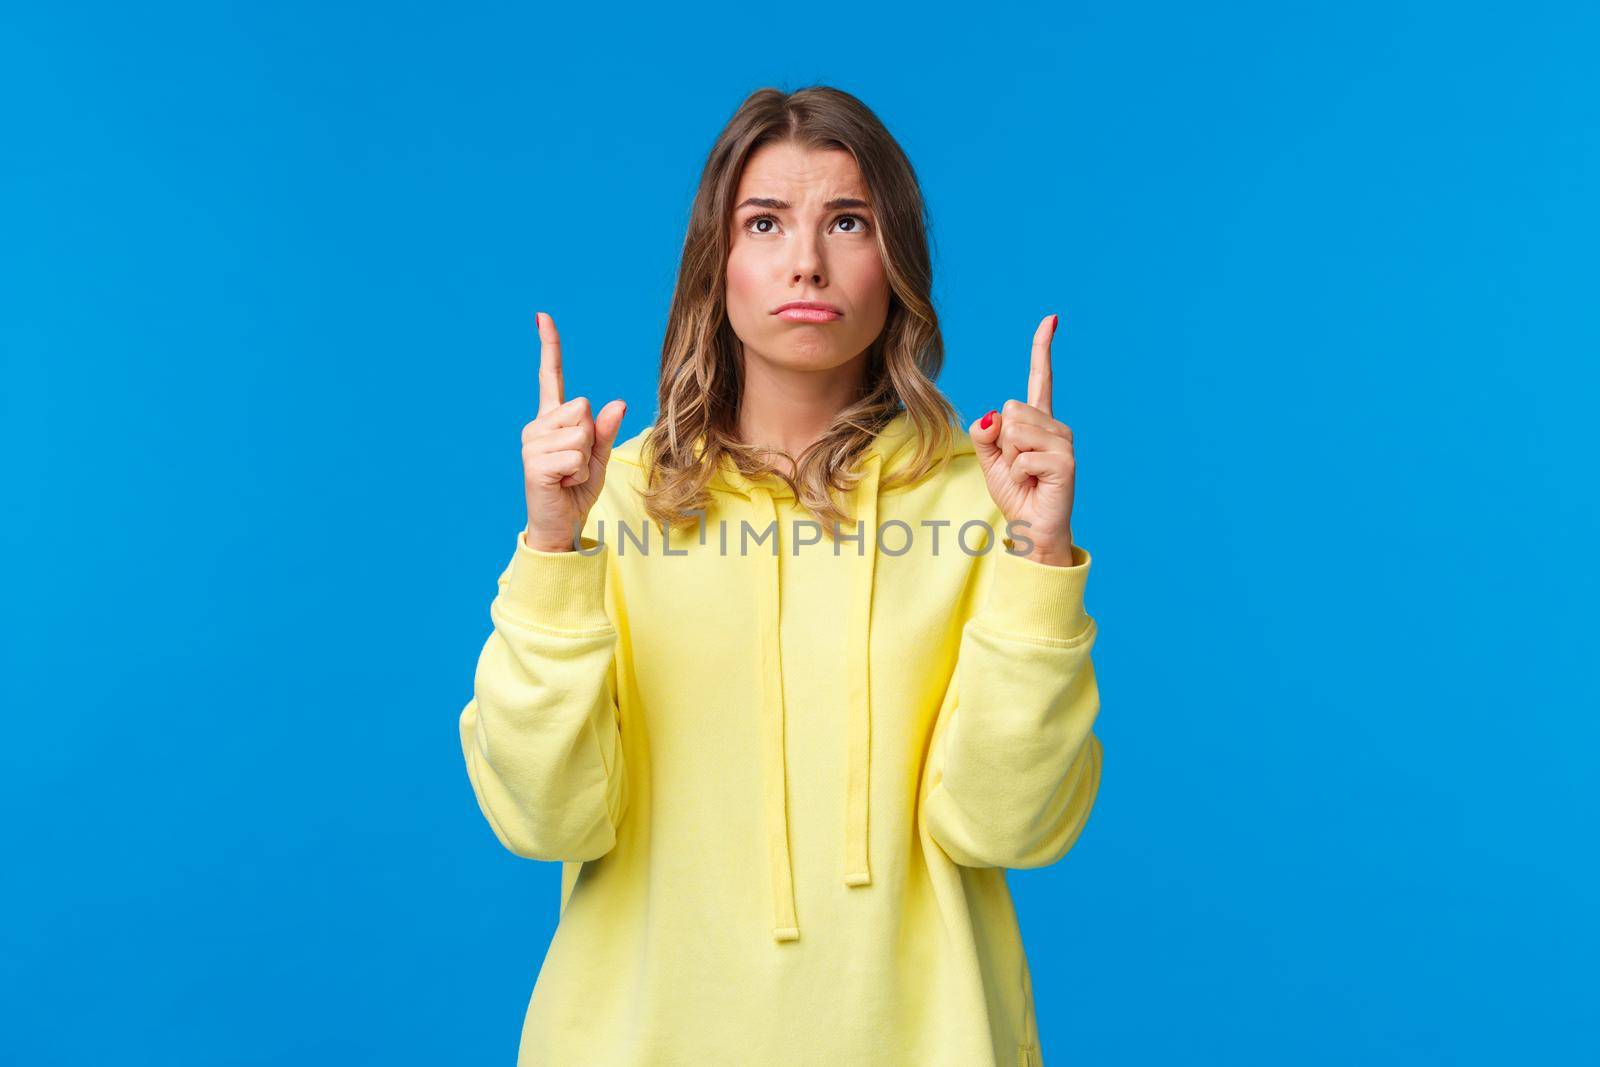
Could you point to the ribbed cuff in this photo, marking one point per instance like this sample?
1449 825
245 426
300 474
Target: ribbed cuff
560 590
1037 599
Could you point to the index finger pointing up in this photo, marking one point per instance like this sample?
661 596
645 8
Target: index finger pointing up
1039 385
549 364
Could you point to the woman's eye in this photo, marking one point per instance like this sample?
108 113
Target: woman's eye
765 224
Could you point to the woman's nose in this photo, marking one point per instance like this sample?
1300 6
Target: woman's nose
808 264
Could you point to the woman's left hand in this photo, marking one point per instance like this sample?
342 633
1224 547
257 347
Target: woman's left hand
1027 460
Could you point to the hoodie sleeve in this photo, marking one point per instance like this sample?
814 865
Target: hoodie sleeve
541 735
1017 767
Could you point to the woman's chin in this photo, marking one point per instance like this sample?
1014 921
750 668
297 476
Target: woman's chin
814 353
805 349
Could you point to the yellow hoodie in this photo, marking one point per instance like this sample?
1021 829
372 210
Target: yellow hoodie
785 782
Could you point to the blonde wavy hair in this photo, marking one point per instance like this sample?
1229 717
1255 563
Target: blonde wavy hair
702 365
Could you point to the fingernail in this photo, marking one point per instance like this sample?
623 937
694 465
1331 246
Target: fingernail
987 419
1054 319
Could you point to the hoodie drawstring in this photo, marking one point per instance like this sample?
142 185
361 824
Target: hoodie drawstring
857 868
774 773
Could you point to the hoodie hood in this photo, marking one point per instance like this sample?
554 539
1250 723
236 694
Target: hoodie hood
757 499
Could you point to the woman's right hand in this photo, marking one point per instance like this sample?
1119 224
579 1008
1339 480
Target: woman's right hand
564 452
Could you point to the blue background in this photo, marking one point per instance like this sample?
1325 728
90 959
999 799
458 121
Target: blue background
1327 285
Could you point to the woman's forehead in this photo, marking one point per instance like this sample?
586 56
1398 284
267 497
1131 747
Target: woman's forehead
789 172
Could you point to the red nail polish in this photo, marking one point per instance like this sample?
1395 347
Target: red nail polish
987 419
1054 320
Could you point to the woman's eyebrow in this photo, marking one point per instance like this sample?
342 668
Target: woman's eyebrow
783 205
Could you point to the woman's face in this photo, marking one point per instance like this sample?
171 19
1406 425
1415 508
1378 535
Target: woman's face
803 231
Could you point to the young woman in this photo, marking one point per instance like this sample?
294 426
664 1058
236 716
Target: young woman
788 679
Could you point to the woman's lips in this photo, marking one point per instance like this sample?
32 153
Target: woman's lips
808 314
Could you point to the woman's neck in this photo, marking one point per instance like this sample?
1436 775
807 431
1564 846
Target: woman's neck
788 410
